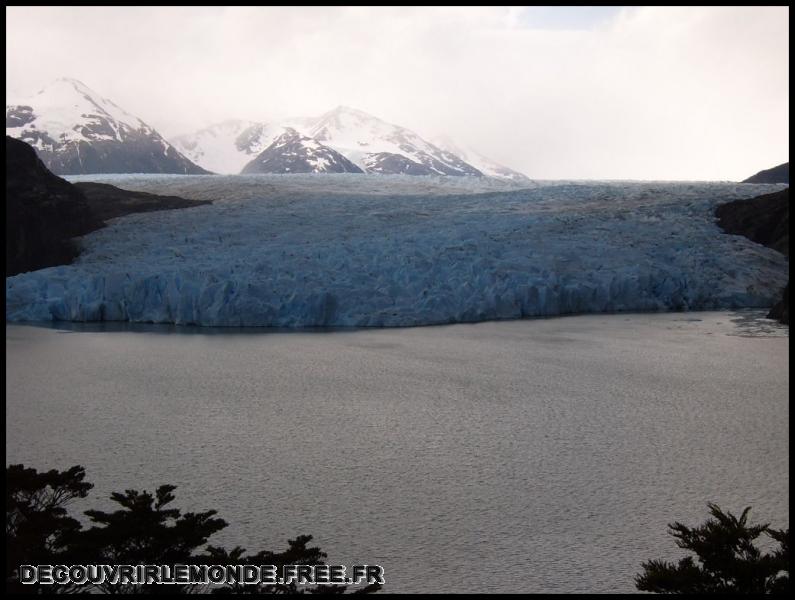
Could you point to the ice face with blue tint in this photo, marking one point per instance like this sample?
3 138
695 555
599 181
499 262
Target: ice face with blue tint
348 251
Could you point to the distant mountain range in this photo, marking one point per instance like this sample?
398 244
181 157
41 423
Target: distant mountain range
75 130
369 143
779 174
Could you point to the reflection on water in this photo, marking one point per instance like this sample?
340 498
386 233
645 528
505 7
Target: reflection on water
127 327
754 323
544 454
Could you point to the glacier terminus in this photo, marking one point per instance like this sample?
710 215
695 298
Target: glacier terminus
345 251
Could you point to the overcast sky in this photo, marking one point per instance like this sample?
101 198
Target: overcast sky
588 92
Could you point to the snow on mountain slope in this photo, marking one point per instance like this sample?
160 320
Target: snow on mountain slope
292 152
356 259
229 146
375 145
75 130
68 110
485 165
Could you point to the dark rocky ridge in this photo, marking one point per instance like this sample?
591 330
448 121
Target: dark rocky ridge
765 220
17 116
136 154
779 174
108 202
44 212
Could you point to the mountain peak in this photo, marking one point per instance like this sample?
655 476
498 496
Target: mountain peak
344 114
67 116
294 152
292 136
370 143
289 132
67 85
342 108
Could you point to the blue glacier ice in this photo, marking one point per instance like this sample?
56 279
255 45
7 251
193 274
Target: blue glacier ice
304 251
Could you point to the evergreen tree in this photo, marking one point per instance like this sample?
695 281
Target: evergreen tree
728 560
38 528
146 529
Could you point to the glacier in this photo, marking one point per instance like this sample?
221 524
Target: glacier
350 251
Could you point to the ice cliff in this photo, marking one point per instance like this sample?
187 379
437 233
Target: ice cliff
265 257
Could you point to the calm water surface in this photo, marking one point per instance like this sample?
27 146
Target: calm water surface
543 455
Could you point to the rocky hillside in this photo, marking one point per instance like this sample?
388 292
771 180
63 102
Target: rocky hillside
780 310
44 213
765 220
779 174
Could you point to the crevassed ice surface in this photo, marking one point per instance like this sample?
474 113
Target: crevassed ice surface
304 251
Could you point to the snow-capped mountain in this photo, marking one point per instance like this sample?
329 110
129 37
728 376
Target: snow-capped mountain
485 165
380 147
75 130
372 144
293 152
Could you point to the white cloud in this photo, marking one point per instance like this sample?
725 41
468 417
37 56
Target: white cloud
668 93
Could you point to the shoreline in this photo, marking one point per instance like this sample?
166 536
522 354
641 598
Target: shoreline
149 327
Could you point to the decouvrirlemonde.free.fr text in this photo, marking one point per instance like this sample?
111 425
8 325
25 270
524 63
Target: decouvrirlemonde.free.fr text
201 574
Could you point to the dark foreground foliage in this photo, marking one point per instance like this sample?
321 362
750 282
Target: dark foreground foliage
146 529
727 559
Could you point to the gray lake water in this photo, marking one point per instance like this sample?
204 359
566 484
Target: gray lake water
538 455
